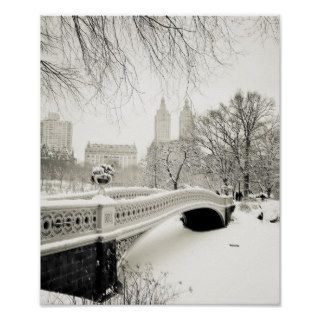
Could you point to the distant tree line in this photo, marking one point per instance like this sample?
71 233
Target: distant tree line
60 165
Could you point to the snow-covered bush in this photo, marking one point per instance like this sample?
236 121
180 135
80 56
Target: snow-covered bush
142 287
244 206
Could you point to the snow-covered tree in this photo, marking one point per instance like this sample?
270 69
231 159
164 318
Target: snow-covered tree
215 155
154 173
267 159
170 163
232 131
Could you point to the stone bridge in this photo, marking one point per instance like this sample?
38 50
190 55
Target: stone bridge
83 236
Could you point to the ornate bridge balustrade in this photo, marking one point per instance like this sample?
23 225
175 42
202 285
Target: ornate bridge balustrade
65 219
163 204
101 229
80 220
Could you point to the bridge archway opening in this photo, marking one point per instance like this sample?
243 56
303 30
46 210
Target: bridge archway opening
202 219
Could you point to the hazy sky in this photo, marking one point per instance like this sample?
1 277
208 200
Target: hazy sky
256 70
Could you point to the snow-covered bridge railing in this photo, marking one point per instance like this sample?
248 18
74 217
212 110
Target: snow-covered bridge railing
119 219
114 193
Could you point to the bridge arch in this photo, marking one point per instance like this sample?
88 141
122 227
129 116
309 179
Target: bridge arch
203 219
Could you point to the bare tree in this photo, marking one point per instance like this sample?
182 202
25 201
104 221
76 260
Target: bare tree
178 159
266 26
153 169
100 54
216 157
170 163
241 124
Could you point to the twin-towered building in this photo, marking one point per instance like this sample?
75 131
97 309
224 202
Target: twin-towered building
163 123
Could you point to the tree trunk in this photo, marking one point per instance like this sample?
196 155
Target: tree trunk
246 177
268 192
246 186
269 188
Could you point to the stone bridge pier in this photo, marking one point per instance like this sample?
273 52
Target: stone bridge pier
87 271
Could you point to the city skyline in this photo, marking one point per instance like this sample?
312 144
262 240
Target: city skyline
58 134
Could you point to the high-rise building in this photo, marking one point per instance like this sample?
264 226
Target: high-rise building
162 123
186 122
121 156
56 134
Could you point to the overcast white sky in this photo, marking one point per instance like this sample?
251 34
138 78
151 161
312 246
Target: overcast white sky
256 70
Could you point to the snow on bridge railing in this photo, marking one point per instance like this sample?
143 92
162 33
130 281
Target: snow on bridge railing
137 209
66 219
113 192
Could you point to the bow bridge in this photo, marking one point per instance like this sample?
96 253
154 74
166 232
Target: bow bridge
83 236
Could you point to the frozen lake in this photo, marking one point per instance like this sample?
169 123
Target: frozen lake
217 272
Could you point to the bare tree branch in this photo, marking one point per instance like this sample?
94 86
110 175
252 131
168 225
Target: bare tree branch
98 57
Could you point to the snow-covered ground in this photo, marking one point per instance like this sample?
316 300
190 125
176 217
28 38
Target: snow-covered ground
217 272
